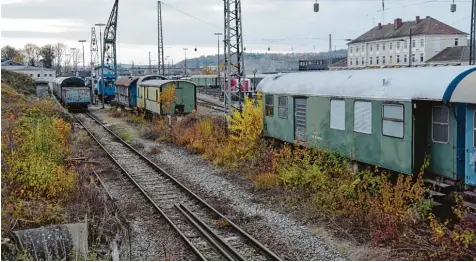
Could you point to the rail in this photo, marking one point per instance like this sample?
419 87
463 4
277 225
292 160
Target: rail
174 202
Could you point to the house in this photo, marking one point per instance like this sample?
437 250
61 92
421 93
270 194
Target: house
457 55
6 62
403 43
39 74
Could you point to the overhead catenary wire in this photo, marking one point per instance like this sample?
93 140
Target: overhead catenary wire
192 16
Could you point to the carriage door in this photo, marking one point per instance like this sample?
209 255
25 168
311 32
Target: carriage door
470 177
300 104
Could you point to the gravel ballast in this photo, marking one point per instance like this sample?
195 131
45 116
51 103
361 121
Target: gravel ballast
278 230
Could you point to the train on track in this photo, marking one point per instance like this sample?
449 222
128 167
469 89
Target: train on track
211 81
71 92
391 118
144 93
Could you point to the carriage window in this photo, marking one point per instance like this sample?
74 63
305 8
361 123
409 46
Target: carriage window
441 124
269 105
338 114
363 117
474 129
283 107
392 120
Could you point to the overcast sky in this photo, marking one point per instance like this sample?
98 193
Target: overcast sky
283 25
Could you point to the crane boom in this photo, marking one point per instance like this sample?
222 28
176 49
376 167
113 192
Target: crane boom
109 49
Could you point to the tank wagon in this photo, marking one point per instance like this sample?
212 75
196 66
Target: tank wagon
185 97
126 89
72 92
390 118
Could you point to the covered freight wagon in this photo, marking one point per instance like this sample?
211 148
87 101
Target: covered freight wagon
72 92
184 99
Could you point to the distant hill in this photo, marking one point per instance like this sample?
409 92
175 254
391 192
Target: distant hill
265 62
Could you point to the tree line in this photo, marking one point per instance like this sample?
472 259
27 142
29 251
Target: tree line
57 56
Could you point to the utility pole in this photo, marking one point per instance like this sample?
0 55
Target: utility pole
185 49
101 83
218 61
160 40
330 49
234 57
472 38
93 49
82 42
150 65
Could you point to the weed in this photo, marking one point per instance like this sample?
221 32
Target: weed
155 150
126 136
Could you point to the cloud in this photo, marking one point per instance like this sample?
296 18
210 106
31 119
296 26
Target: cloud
42 25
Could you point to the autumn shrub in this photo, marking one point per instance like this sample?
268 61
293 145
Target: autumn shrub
36 180
454 240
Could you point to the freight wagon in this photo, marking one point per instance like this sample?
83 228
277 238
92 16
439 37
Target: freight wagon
184 102
126 89
390 118
72 92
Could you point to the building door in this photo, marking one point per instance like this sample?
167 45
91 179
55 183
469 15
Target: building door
470 177
300 108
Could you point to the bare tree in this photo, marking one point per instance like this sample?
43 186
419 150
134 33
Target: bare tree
76 57
67 61
60 52
32 54
47 53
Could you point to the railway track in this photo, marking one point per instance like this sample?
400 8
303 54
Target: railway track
210 235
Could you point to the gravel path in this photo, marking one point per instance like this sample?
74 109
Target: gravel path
277 230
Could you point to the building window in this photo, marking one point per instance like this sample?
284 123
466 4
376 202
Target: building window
440 124
363 49
46 75
338 114
405 44
391 60
422 42
269 105
390 45
363 117
405 58
456 41
351 50
383 46
51 75
421 57
376 60
392 120
413 43
38 75
371 48
383 59
357 61
413 57
363 63
370 60
398 44
398 59
283 107
378 46
436 45
356 49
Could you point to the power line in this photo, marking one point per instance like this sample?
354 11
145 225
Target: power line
192 16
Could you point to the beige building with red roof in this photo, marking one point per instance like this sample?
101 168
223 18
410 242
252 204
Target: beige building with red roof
389 45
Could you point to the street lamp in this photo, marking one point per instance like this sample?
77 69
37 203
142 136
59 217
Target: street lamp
218 61
101 83
82 42
185 49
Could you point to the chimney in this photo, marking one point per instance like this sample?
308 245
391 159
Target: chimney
397 23
417 19
379 26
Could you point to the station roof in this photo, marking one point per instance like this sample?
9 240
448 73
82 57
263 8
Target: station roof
399 84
